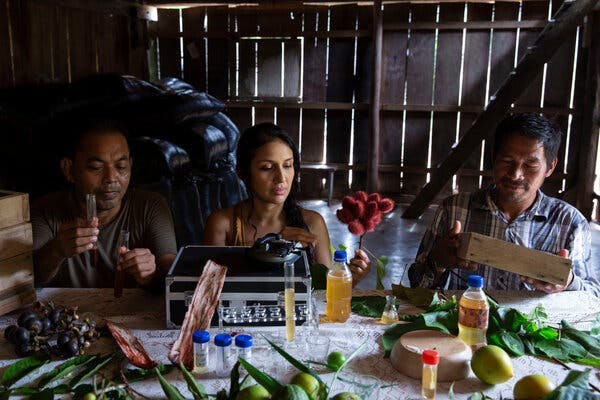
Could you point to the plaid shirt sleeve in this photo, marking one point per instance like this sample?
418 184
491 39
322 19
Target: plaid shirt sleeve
586 276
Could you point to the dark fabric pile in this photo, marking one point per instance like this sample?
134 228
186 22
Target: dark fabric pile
182 144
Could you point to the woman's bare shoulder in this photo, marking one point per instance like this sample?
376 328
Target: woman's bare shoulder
312 218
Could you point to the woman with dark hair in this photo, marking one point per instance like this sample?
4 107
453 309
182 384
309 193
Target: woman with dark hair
268 162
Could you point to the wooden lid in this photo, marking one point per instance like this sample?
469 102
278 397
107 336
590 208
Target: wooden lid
454 354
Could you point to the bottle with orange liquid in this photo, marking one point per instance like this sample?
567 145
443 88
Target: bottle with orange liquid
473 312
339 289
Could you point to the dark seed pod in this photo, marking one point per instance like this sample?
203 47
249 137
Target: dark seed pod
70 348
46 325
81 340
20 336
55 315
8 332
25 316
33 324
23 350
62 339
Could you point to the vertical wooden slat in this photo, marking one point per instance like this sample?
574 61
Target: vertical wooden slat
288 119
503 45
112 54
194 71
419 78
62 61
477 46
218 53
392 91
168 43
6 76
269 68
292 68
241 117
558 75
531 10
315 57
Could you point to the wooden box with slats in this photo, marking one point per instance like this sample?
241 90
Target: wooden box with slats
514 258
16 244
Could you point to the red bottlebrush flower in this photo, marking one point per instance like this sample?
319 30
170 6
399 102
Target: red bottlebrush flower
356 228
369 225
377 218
370 210
348 202
344 215
358 209
362 196
376 197
386 205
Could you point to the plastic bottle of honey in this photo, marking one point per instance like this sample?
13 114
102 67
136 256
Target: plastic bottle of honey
473 312
339 289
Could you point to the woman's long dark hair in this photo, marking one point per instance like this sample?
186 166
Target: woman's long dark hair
251 140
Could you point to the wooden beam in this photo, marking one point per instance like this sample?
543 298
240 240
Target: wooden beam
565 21
590 101
373 163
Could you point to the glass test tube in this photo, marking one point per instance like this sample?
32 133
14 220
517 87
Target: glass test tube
290 301
90 209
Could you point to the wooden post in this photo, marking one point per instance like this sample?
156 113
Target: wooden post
589 128
565 21
373 163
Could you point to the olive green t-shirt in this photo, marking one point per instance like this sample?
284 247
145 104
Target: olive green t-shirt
144 214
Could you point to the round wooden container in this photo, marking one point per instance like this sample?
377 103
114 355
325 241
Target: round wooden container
455 355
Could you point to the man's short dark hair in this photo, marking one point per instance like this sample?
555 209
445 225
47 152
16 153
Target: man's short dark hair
533 126
79 127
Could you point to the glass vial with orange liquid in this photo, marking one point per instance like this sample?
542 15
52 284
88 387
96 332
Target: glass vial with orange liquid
473 312
390 312
339 289
430 359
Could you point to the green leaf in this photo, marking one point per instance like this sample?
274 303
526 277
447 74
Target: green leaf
564 349
595 331
420 296
139 374
234 379
195 388
594 362
170 391
222 395
64 369
451 392
341 247
588 342
478 396
80 390
348 359
21 368
46 394
381 263
318 274
261 378
368 306
90 369
538 315
512 343
546 333
393 333
574 387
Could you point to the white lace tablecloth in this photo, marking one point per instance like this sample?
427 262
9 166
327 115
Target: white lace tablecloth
144 314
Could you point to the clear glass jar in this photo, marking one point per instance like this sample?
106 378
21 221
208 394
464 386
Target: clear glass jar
390 312
222 354
201 340
243 343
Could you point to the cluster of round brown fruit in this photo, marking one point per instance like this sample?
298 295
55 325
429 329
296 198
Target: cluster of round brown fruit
52 330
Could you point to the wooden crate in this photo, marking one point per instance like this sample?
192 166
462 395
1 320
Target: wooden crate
15 240
514 258
14 208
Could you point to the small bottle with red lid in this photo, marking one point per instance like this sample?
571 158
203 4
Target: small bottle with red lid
430 360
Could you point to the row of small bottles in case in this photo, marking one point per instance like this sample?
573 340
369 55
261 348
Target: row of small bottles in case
222 351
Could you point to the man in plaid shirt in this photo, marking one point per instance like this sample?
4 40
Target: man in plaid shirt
514 209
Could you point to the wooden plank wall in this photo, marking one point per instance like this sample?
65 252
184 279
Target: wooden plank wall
309 70
45 42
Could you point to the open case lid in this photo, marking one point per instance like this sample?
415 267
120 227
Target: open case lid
190 261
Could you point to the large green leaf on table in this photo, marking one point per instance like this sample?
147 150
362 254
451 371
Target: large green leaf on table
90 369
21 368
368 306
574 387
64 369
196 388
171 391
318 275
589 342
436 305
265 380
420 296
393 333
595 331
509 341
564 349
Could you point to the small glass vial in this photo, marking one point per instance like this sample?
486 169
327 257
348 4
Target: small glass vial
390 312
201 341
223 351
430 360
243 343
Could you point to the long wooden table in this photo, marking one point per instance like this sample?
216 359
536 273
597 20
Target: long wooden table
144 314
